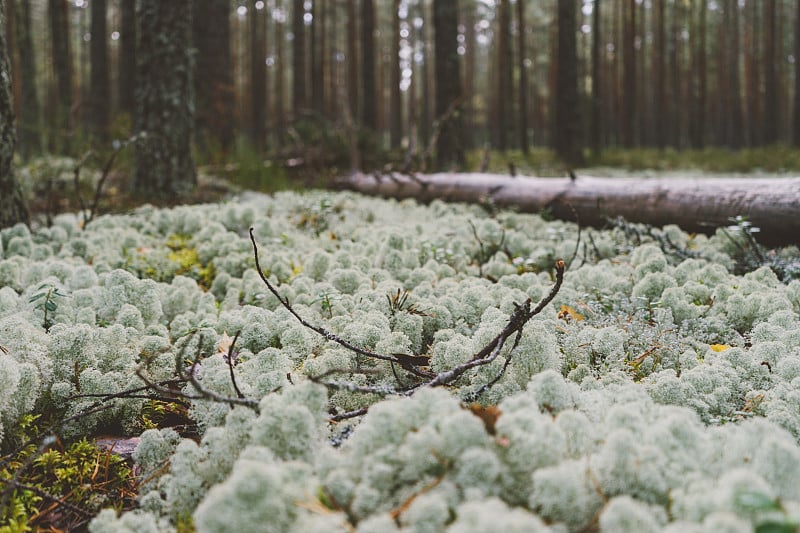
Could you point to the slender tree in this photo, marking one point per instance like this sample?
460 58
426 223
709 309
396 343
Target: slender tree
28 124
100 91
299 83
12 204
318 56
450 146
629 72
368 102
504 73
395 104
797 76
213 80
164 101
280 72
62 67
126 88
771 118
597 100
523 78
734 87
566 124
700 81
352 60
258 75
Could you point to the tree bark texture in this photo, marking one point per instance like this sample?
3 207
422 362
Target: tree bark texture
450 146
127 56
395 105
100 88
12 204
258 76
213 81
368 103
299 83
29 126
62 67
566 123
695 204
165 101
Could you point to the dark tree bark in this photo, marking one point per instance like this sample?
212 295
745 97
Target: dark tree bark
450 146
280 70
368 111
566 123
700 86
299 83
797 76
62 67
127 56
426 118
597 95
523 78
629 74
395 104
470 118
28 123
352 61
213 80
12 204
258 76
737 118
504 73
100 88
675 79
771 104
165 101
659 76
318 57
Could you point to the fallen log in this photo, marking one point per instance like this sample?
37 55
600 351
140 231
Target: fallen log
694 204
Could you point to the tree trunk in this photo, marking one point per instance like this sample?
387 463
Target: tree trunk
796 138
127 57
737 118
352 62
165 101
299 83
100 84
629 73
368 111
596 83
280 70
695 204
258 76
450 145
12 205
213 81
504 73
567 124
700 76
318 57
28 125
62 67
771 117
395 105
523 78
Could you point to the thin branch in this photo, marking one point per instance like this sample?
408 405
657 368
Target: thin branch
230 365
407 362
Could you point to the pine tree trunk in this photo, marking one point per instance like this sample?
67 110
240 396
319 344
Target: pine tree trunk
771 118
299 83
165 101
12 204
100 88
566 124
258 76
127 56
62 67
597 98
213 81
396 106
368 109
29 120
629 74
504 73
450 145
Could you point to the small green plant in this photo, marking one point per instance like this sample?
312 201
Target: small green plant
399 302
46 300
779 521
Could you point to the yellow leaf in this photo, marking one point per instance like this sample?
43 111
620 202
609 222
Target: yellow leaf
224 344
566 313
719 347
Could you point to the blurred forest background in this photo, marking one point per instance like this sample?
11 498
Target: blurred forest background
287 88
